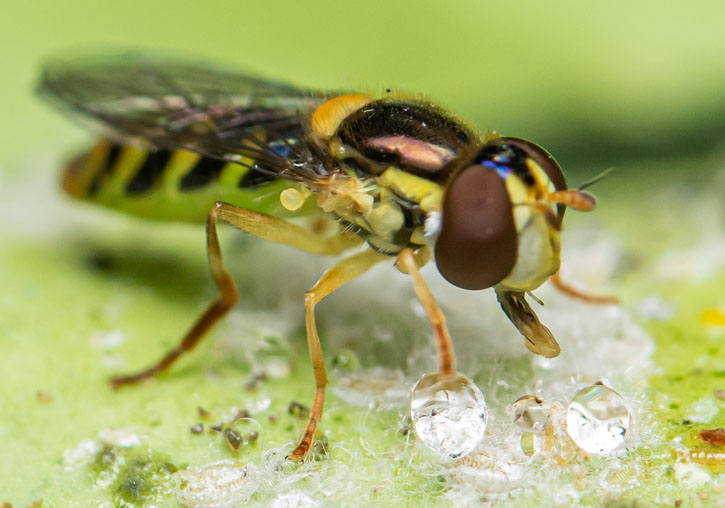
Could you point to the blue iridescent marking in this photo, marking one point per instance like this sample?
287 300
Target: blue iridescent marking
280 147
503 171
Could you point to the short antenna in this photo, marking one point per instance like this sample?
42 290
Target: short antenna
596 179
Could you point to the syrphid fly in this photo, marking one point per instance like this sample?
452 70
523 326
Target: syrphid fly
402 179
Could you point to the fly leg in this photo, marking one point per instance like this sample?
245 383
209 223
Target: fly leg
407 263
263 226
539 338
343 272
581 295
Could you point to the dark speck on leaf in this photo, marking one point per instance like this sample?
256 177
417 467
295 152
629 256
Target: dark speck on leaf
233 439
242 414
254 380
298 409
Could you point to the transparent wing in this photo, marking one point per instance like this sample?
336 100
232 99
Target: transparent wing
196 105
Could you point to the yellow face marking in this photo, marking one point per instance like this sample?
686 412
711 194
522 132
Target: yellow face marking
540 177
539 244
520 195
328 115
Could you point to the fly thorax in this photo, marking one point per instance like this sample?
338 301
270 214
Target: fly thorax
412 135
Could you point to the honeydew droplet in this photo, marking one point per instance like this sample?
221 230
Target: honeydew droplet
291 199
528 446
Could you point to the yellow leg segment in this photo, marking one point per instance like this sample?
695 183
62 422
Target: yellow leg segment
263 226
446 358
280 231
581 295
343 272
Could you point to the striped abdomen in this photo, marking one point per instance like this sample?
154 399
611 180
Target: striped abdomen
169 185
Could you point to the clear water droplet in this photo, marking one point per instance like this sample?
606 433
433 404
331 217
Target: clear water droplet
598 419
449 413
530 415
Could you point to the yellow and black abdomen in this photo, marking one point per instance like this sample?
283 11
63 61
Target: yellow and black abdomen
176 185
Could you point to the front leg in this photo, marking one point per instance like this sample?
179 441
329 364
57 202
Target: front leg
446 359
581 295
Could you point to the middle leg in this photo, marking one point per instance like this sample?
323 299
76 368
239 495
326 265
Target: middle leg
343 272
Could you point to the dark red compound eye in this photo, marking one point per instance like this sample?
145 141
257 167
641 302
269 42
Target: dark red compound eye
477 246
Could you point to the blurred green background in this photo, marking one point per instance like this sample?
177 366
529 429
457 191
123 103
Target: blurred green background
594 81
633 85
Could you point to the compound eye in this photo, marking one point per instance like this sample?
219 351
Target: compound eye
477 246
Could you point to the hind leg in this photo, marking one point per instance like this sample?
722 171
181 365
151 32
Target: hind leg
263 226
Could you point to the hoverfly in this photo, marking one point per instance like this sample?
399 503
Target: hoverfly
194 141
